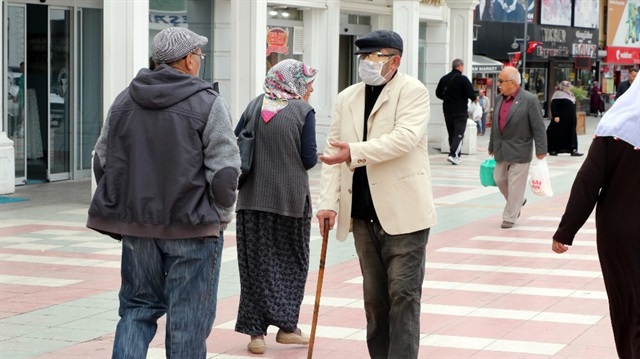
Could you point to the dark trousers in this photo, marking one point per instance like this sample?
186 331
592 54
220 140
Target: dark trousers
393 270
456 125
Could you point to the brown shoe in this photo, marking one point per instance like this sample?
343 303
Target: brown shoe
506 224
257 346
291 338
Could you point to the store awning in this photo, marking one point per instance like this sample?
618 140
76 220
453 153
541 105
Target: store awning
485 65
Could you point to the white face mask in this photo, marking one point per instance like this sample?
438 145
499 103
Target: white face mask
371 72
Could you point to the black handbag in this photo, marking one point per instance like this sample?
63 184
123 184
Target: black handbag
246 140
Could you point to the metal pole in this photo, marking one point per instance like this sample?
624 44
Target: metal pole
524 46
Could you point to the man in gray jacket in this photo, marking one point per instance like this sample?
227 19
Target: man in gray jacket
167 166
517 123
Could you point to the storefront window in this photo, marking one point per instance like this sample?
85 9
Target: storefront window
195 15
422 52
285 36
536 83
565 74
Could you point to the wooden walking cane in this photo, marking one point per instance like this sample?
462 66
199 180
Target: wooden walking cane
316 307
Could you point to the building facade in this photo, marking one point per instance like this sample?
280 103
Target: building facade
65 61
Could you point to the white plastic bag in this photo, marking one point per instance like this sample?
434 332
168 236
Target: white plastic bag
539 179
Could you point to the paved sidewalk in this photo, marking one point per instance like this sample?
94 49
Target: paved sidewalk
488 292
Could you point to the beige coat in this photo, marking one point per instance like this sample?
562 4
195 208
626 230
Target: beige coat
395 155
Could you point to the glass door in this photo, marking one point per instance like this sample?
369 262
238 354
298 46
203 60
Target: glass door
60 94
15 73
89 65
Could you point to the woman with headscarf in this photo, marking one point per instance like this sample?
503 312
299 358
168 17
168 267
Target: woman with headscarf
610 180
596 103
273 212
561 133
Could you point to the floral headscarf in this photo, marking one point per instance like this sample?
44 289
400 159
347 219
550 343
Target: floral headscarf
288 79
564 92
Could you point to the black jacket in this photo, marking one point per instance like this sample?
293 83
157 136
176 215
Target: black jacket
454 89
622 88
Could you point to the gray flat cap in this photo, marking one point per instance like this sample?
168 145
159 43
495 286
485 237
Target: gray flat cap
379 39
174 43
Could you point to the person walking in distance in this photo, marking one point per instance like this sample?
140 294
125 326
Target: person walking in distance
519 123
624 85
375 162
484 104
561 132
166 166
455 89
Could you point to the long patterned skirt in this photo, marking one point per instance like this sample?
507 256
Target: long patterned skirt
273 259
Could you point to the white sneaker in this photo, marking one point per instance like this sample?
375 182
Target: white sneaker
454 160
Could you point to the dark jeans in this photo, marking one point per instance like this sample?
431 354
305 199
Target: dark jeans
176 277
393 270
456 125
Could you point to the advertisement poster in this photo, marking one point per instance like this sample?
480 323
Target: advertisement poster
505 10
623 32
587 14
624 23
556 12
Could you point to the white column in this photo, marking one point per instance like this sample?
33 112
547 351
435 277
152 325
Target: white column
126 48
3 83
406 22
321 51
248 56
461 31
438 64
126 43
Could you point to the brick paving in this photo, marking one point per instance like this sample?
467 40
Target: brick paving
488 292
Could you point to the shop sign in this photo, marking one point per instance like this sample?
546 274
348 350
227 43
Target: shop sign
584 36
622 55
486 68
545 52
585 50
554 35
554 43
163 20
277 39
174 20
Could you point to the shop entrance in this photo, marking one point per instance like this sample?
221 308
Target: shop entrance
351 27
45 72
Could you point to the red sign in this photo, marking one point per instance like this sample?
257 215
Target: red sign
623 55
277 39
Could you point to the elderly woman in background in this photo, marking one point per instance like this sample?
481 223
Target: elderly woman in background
561 133
596 102
273 219
609 179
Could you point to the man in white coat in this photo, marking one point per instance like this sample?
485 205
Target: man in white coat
376 180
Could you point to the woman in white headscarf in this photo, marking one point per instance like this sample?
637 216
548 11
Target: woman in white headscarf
610 180
561 133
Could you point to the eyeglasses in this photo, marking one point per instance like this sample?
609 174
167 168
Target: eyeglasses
375 56
501 81
202 56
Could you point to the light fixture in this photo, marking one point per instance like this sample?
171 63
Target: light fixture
284 14
273 13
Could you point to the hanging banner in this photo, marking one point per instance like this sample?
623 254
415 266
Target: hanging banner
555 12
587 14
